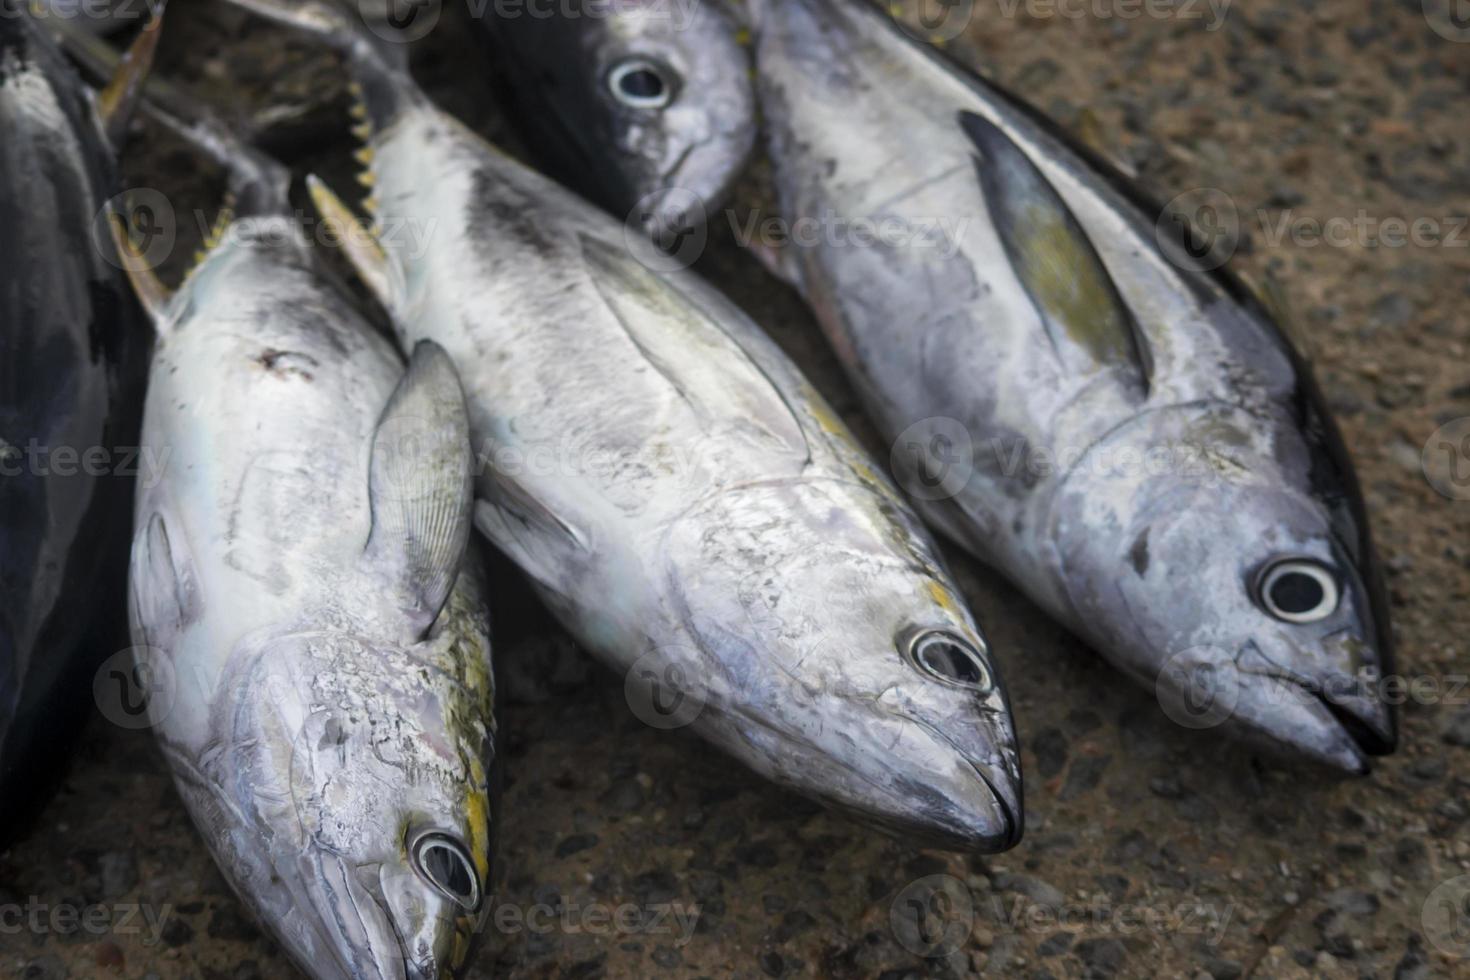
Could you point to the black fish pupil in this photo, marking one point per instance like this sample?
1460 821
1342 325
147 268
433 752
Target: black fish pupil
449 871
951 660
1296 593
642 83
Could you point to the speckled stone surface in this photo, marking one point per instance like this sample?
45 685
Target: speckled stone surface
1150 850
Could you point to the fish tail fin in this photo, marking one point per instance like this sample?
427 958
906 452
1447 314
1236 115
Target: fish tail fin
376 51
117 102
258 184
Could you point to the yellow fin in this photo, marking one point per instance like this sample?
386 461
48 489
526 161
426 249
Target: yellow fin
151 291
115 103
359 242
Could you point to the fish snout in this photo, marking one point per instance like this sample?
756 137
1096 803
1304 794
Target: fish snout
1280 701
382 924
990 812
958 789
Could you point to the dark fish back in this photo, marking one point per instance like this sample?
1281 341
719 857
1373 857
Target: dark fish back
73 354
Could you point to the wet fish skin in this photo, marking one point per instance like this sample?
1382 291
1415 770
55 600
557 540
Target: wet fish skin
72 363
1050 322
683 500
301 572
565 73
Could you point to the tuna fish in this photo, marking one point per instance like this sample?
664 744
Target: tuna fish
681 497
1122 430
301 598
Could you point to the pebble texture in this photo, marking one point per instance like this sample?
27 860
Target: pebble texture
1150 850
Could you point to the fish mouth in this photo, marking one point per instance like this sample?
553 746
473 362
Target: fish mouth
1329 729
958 808
362 936
919 813
1005 794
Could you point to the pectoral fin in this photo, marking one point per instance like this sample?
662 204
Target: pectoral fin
1086 319
420 488
712 373
543 544
163 594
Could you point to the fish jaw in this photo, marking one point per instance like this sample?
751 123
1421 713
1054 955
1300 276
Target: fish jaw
1276 713
888 770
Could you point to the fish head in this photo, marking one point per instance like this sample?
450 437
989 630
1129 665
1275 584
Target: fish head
834 655
372 830
651 104
1219 575
677 95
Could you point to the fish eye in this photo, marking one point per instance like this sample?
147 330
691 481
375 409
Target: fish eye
445 863
1299 591
949 658
641 84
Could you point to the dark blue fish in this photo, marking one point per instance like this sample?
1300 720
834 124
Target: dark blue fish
72 365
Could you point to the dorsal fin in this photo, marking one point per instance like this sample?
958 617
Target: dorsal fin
710 371
1086 319
420 488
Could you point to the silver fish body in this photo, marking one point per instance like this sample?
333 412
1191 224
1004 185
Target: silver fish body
683 499
330 728
1129 438
642 105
